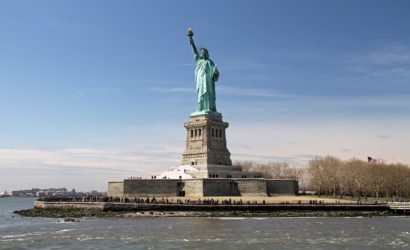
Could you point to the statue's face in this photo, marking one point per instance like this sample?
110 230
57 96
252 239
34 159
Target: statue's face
204 53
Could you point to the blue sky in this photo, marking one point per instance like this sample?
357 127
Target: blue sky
99 90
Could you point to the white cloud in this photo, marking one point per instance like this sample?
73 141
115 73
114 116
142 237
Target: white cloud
67 164
251 92
325 108
229 91
173 90
390 62
156 150
389 55
298 142
90 158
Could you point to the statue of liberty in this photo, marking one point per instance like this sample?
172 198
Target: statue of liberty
206 74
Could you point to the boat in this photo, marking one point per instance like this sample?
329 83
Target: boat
5 194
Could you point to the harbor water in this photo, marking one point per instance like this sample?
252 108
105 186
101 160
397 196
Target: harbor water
18 232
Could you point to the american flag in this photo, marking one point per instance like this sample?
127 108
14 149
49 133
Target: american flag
371 160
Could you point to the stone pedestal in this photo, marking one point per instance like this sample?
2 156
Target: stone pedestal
206 170
206 141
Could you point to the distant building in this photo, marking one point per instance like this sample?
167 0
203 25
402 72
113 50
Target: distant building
55 193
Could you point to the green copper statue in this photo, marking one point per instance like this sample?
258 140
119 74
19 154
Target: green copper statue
206 74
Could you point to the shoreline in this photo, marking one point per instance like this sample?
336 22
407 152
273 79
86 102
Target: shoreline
190 208
115 209
78 213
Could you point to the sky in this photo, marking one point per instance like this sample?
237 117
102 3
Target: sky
95 91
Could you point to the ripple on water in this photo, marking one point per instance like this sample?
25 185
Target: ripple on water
405 234
85 238
209 233
22 235
398 243
229 218
65 230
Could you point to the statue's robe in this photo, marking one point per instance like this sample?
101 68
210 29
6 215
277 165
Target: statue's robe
206 74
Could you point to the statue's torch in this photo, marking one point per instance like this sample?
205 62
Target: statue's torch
190 32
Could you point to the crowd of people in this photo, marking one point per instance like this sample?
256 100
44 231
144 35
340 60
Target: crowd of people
206 201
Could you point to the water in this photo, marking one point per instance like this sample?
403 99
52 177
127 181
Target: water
203 233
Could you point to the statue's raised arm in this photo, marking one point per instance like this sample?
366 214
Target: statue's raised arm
191 41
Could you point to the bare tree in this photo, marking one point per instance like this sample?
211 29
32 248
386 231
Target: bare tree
330 175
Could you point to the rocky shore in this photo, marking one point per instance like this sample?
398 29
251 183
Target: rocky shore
63 209
76 213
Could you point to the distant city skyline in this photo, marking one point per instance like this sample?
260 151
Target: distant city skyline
99 90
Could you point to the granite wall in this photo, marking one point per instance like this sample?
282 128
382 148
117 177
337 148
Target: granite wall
202 187
282 187
252 187
152 187
193 187
115 189
220 187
